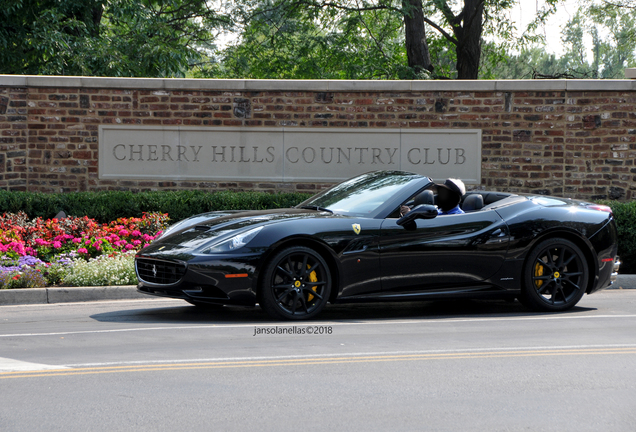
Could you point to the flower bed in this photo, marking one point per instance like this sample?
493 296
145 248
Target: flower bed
75 251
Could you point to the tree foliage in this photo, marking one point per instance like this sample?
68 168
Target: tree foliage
279 40
369 39
305 39
612 31
105 37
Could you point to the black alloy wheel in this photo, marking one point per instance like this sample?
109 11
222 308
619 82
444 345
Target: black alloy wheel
555 276
296 284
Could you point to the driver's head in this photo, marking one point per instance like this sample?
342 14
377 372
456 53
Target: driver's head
450 193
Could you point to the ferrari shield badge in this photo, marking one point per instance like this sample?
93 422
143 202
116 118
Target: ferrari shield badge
356 228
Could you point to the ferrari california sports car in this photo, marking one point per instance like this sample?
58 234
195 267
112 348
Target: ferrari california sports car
351 244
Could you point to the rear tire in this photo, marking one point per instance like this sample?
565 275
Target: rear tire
296 284
555 276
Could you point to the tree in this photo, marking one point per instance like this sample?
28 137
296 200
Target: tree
467 27
618 50
419 58
427 34
303 43
612 30
105 37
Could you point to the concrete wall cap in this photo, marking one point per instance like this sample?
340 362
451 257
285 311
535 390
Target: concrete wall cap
204 84
291 85
534 85
319 85
125 83
368 85
602 85
13 81
453 85
53 81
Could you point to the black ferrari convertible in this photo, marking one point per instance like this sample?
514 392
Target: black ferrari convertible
351 244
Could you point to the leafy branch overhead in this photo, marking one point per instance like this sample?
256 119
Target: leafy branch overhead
364 31
311 39
105 38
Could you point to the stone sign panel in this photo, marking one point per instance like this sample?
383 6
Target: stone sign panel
284 154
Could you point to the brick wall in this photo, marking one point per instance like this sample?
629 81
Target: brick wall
566 137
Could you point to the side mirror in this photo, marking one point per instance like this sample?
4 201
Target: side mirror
422 211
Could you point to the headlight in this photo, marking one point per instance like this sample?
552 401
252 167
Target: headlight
236 242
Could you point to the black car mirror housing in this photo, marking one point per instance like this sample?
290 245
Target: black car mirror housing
422 211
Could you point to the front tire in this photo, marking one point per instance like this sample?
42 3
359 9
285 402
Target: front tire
296 284
555 276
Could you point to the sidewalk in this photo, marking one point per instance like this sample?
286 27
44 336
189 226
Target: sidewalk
127 292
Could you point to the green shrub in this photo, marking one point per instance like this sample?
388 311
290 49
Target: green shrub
107 206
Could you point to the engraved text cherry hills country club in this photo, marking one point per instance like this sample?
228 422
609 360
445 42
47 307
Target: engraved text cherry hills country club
283 154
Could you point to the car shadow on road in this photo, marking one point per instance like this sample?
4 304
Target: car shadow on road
352 312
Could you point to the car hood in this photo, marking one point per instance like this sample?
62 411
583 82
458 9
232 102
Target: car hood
200 231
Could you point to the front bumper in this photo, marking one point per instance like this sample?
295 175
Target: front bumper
206 279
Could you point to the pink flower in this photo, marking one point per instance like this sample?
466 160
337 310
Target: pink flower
87 242
17 248
57 244
136 233
129 246
77 240
148 237
82 250
123 232
136 242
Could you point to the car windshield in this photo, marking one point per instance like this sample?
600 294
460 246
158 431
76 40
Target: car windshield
362 195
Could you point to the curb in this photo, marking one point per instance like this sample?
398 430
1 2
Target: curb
128 292
69 294
624 282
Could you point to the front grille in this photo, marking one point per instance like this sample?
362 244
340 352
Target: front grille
158 271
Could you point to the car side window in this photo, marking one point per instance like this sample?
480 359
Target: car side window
421 197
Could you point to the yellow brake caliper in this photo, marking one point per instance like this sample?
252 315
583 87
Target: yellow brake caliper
538 271
312 278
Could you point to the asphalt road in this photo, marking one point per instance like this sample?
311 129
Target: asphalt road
436 366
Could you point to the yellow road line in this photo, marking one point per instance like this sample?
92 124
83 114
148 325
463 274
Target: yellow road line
316 361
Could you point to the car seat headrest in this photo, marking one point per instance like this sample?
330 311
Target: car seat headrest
473 202
424 197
